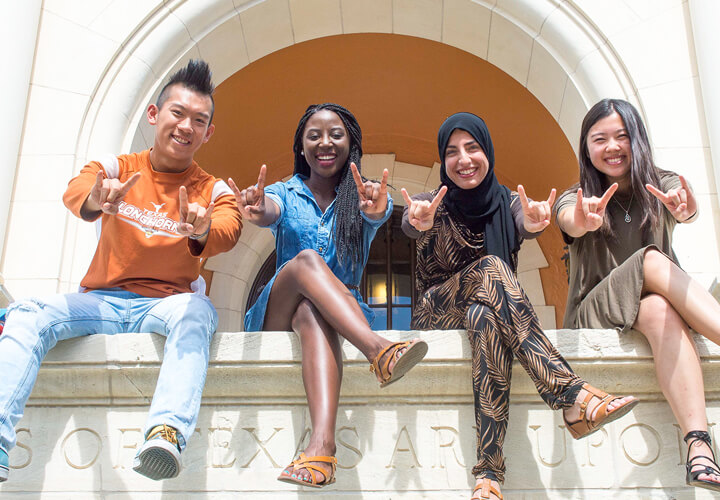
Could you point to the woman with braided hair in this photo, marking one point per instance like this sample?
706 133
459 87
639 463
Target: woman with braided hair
468 236
324 219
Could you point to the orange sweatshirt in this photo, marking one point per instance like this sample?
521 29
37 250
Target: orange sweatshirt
139 249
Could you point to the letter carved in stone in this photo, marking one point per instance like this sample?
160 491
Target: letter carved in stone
350 447
408 449
681 445
124 459
261 445
453 433
25 447
655 435
87 441
301 442
220 448
594 441
538 447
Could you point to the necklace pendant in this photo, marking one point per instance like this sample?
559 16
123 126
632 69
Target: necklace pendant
628 219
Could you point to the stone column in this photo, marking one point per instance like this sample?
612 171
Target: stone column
18 33
704 16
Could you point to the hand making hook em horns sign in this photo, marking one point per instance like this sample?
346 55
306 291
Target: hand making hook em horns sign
537 213
372 195
251 200
589 213
106 194
421 213
680 202
194 218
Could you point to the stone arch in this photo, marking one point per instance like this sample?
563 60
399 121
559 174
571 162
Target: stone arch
550 47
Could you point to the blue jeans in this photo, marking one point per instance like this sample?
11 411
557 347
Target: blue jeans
33 327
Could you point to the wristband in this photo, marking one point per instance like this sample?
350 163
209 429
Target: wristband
693 215
200 236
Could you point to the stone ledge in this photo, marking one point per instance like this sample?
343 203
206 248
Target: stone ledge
414 440
264 367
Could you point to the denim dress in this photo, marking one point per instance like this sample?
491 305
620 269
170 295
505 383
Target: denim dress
301 226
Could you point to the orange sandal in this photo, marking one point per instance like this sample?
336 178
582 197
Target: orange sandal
586 424
304 463
486 489
415 352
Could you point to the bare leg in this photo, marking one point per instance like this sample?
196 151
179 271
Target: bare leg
307 297
693 303
307 276
677 366
322 375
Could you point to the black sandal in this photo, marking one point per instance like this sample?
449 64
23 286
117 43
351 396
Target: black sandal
691 477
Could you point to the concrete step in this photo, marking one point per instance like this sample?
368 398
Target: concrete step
415 439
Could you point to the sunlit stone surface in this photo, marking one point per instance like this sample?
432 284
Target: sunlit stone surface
414 439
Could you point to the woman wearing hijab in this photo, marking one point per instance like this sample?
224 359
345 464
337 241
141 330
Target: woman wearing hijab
468 233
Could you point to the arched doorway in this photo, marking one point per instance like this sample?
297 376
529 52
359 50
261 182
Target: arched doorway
549 53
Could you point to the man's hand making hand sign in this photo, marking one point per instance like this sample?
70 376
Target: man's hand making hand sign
194 218
421 213
106 195
537 213
679 201
373 196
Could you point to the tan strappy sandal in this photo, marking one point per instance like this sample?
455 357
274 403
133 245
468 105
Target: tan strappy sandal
304 462
592 421
486 489
415 352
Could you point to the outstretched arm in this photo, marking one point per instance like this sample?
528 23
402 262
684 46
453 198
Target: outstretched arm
372 195
586 215
213 229
91 194
680 202
420 214
252 203
536 214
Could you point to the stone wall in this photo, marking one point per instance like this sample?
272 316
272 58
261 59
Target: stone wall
414 439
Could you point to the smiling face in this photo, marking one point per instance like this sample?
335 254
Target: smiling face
182 125
326 144
465 161
609 149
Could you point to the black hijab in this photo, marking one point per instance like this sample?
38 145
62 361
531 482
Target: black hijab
485 208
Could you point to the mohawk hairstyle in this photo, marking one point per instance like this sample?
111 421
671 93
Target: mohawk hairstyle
348 221
195 76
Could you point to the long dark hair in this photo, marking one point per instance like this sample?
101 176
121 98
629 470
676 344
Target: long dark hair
642 166
348 221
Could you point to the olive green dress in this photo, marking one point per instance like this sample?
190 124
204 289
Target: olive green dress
606 274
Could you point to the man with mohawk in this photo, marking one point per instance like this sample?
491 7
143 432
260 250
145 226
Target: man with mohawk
160 215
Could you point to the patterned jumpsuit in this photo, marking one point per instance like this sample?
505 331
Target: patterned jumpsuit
461 287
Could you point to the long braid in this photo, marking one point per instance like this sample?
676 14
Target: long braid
348 225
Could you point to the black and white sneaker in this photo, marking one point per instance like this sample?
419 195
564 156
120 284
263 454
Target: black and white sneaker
159 457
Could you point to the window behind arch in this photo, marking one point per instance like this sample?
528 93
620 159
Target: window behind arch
388 283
